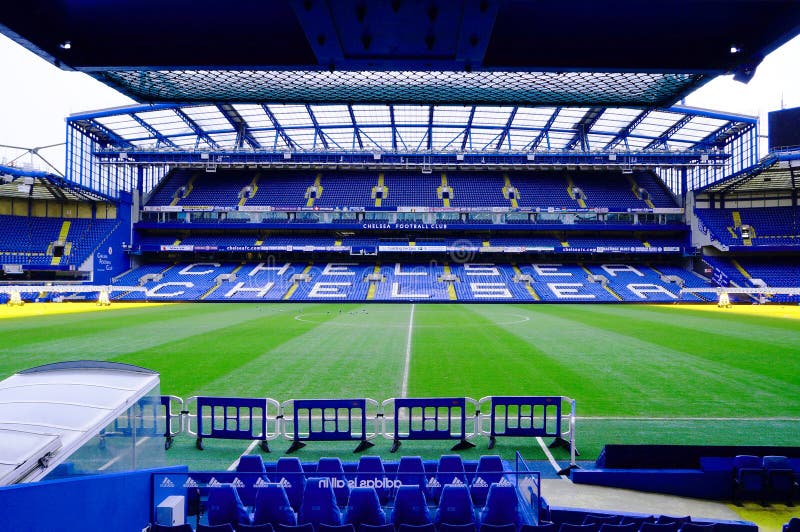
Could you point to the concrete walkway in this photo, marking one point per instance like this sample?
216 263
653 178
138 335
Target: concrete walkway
564 493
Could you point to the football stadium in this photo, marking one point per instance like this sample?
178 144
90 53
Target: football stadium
403 266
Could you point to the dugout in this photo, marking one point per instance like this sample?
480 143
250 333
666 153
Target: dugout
79 418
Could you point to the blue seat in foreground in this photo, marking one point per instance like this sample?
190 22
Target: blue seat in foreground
455 506
410 507
364 508
289 474
225 507
319 504
501 506
272 506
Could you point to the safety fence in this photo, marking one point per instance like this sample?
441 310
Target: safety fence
363 420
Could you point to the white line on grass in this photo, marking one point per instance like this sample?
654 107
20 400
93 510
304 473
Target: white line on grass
119 456
404 390
550 457
247 451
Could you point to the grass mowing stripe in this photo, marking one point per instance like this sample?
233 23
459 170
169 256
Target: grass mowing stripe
722 346
623 375
479 359
343 351
187 365
115 337
407 362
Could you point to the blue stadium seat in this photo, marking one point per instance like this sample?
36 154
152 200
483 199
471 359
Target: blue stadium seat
332 469
417 528
469 527
388 527
748 477
370 469
679 520
364 508
488 472
266 527
501 506
347 527
611 527
455 506
225 527
601 519
319 504
225 506
410 507
658 527
305 527
449 470
698 527
272 506
155 527
411 471
485 527
636 520
289 473
543 526
793 525
250 463
779 478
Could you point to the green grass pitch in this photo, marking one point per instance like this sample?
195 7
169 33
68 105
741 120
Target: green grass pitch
639 373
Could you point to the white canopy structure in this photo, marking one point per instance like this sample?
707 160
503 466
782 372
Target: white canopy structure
49 412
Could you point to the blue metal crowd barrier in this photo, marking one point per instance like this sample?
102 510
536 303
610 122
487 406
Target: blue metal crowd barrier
329 420
170 417
432 418
521 416
232 418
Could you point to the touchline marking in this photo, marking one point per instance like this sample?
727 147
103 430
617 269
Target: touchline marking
629 418
119 456
247 451
404 390
550 457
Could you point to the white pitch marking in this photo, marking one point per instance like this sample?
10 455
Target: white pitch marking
550 457
404 390
119 456
247 451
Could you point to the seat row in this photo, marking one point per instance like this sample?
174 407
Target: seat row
370 471
320 509
627 523
763 478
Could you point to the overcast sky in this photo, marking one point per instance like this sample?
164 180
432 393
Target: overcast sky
36 97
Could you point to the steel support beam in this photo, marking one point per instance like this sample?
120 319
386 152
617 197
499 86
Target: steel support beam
504 133
278 127
583 127
356 129
317 129
197 129
239 125
665 136
545 130
625 131
468 129
153 131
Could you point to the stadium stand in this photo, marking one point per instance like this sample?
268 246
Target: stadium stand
403 281
224 188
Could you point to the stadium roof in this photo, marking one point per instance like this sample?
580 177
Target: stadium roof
777 171
34 184
407 128
645 53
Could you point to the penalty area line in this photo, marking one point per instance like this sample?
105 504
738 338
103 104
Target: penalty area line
404 389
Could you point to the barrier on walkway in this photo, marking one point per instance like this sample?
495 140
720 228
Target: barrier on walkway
330 420
233 418
432 418
397 419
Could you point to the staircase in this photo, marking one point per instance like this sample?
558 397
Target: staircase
62 237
